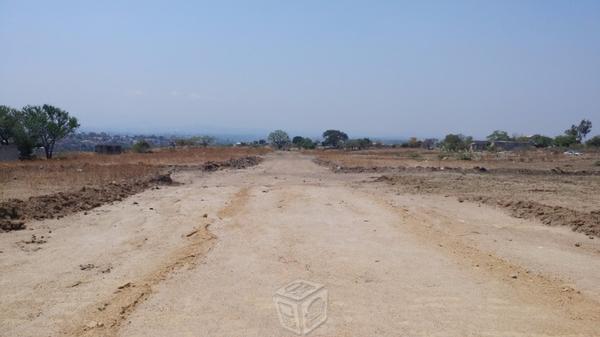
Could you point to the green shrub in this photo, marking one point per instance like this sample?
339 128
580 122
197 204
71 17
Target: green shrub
456 142
565 140
466 155
594 141
141 146
541 141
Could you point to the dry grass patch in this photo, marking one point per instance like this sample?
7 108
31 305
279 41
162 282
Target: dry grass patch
73 171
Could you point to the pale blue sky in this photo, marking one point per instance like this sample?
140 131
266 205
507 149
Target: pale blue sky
371 68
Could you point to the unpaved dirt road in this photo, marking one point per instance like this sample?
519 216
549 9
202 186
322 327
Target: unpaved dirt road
205 259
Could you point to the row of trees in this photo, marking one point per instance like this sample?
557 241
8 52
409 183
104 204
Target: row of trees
331 138
574 135
35 126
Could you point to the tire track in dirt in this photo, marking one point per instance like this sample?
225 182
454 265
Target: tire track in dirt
239 200
105 318
528 287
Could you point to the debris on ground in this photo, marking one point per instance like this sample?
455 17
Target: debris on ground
87 266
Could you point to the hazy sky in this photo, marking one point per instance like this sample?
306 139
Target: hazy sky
371 68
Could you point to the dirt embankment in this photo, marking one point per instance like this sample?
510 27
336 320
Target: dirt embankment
587 223
337 168
236 163
14 213
523 196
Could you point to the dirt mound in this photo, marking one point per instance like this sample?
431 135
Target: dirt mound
337 168
236 163
14 212
524 196
587 223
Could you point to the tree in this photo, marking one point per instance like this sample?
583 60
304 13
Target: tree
279 139
7 124
456 142
594 141
413 142
498 135
565 140
334 138
429 143
357 144
308 143
584 127
541 141
297 140
25 133
580 131
48 124
303 142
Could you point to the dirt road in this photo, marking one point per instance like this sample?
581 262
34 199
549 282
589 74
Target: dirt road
205 259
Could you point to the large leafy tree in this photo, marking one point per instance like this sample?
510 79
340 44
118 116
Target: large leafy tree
303 143
498 135
297 140
279 139
358 144
8 123
47 124
541 141
584 127
456 142
580 131
26 132
334 138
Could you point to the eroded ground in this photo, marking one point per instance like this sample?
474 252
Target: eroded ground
205 258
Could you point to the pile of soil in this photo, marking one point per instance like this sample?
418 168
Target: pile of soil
583 222
236 163
14 212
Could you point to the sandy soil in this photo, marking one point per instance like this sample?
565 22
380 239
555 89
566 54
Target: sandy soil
205 259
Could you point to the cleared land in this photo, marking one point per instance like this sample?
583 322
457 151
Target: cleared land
205 257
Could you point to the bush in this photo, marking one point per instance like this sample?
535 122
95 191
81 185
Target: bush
303 143
141 146
456 142
541 141
413 142
565 140
465 155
